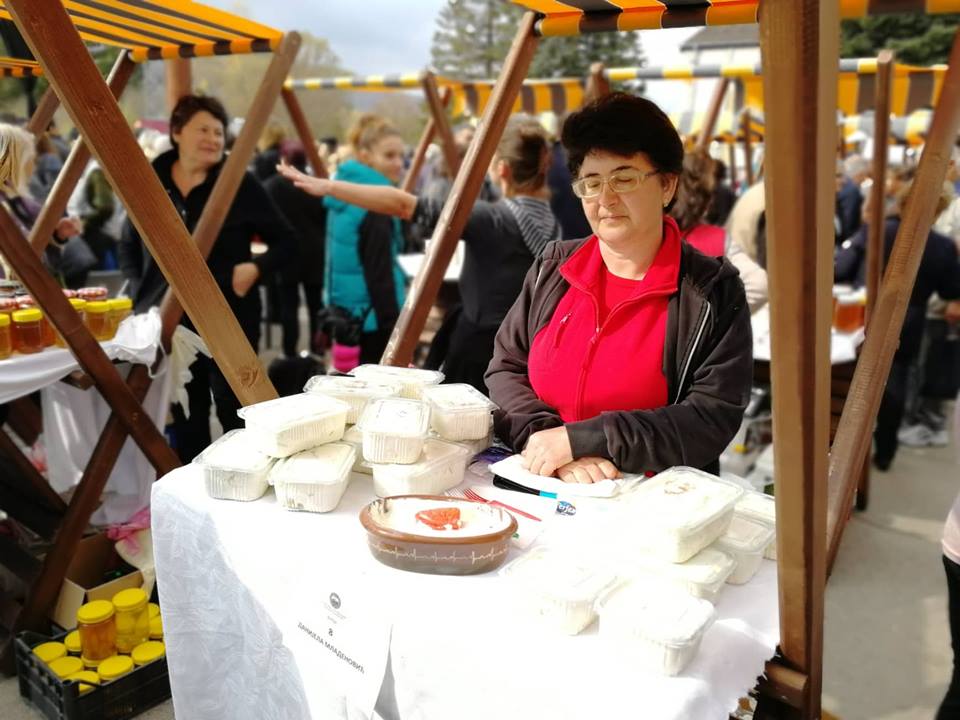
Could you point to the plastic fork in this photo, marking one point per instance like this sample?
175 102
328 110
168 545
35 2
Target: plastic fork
469 494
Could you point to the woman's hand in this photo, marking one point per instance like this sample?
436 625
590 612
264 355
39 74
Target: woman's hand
309 184
546 451
244 276
588 470
68 227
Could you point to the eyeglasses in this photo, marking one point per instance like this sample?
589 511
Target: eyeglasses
621 181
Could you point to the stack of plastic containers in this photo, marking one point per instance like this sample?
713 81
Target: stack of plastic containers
761 508
412 380
234 468
354 391
314 480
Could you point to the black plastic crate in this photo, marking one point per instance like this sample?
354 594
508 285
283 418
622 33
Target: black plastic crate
58 699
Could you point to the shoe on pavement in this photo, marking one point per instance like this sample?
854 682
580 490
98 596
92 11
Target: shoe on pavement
916 436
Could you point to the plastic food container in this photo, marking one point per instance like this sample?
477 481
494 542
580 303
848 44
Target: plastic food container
50 651
28 330
412 380
557 588
354 391
98 631
656 626
133 619
459 411
746 540
148 652
314 480
394 430
441 466
288 425
354 436
679 512
762 508
115 667
234 469
702 576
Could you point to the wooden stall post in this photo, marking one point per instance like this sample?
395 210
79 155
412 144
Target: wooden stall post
732 160
853 440
466 188
713 112
598 84
46 108
179 80
420 154
747 145
52 38
441 122
881 145
799 46
299 119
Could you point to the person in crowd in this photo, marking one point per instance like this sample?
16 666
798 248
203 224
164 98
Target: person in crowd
694 196
743 225
627 351
850 176
188 173
503 238
103 216
60 144
939 272
723 196
565 205
47 166
308 217
264 163
950 707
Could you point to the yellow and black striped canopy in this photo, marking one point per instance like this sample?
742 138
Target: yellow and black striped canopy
14 67
573 17
155 29
559 95
372 83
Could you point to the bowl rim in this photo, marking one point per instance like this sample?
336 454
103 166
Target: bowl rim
372 527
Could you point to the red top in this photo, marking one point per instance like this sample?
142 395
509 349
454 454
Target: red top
603 348
708 239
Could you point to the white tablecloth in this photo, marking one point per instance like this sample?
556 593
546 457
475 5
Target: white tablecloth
231 573
843 346
412 262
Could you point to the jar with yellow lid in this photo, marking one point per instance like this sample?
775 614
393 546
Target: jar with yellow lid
154 610
115 667
133 618
97 318
66 666
28 325
156 628
72 641
6 336
120 309
78 305
148 652
50 651
98 631
88 679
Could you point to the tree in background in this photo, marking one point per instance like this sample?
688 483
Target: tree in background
472 37
572 56
917 39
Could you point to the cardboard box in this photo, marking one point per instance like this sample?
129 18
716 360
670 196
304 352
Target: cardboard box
95 555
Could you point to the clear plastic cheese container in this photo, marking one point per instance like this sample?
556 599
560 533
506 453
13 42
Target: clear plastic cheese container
679 512
762 508
746 540
234 468
394 430
656 626
459 411
288 425
556 588
354 391
441 466
412 380
314 480
354 436
702 576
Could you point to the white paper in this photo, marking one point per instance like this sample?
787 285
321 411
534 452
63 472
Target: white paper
511 469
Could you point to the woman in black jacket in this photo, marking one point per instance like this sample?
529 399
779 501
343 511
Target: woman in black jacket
188 173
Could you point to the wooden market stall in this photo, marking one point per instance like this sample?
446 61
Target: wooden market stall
56 33
815 487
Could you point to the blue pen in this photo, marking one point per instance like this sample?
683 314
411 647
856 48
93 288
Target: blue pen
502 482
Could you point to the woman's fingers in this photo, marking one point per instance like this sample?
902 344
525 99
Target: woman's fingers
608 469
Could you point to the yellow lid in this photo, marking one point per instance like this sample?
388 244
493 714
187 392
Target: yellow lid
66 666
50 651
95 612
4 319
78 303
129 600
97 307
156 628
90 664
72 641
148 652
115 666
28 315
121 303
154 610
88 676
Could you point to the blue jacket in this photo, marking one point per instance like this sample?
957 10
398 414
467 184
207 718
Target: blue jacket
345 284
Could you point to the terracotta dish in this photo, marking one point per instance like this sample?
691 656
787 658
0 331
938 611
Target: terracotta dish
479 546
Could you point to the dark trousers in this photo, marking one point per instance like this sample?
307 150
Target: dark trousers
891 413
950 708
373 344
193 434
289 314
469 354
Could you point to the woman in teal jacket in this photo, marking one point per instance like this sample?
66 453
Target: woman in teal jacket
362 272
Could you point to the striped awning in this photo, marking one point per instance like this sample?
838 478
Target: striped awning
158 29
573 17
728 128
374 83
14 67
560 95
911 129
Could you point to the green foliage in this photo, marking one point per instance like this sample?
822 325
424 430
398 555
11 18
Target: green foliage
917 39
472 37
572 56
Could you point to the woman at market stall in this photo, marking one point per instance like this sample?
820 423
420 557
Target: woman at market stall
628 351
502 239
694 196
188 173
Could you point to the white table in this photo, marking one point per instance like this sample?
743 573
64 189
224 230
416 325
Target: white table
230 575
843 346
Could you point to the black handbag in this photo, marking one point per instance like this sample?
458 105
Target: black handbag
342 325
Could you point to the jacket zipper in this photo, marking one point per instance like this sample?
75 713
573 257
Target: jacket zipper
581 383
693 351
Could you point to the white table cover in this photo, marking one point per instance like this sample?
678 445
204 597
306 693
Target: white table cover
231 573
843 346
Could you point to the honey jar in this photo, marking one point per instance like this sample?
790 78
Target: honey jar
78 305
115 667
88 679
50 651
6 336
148 652
848 314
133 619
97 318
28 331
98 631
120 309
66 666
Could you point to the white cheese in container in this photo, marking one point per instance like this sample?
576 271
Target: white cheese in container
459 411
288 425
394 430
679 512
412 380
557 588
314 480
354 391
658 627
354 436
746 540
441 466
233 468
702 576
762 508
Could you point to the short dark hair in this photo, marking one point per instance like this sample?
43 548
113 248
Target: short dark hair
625 125
190 105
